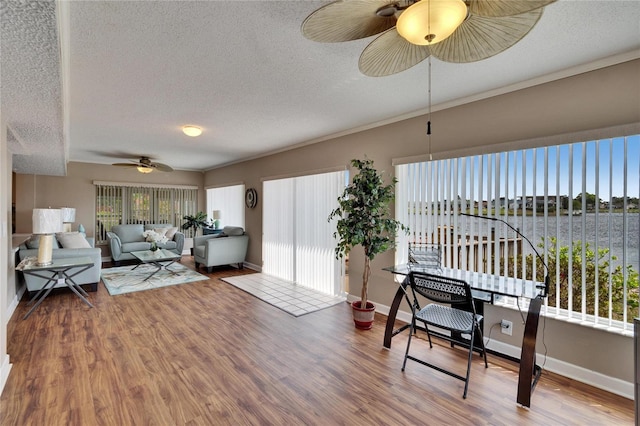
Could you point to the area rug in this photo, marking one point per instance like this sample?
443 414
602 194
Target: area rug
292 298
125 279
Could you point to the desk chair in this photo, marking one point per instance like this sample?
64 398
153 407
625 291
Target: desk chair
458 318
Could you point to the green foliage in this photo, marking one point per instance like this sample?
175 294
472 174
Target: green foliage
195 222
363 211
363 214
597 275
590 200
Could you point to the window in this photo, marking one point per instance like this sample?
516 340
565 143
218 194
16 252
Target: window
121 204
229 200
298 242
577 203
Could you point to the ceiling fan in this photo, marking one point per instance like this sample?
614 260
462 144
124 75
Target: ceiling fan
145 165
413 30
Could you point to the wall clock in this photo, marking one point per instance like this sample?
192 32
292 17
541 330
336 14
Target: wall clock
251 198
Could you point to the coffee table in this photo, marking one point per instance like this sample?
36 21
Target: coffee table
160 258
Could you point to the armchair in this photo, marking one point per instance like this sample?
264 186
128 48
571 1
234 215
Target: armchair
226 248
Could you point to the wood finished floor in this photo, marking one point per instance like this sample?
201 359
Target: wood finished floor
207 353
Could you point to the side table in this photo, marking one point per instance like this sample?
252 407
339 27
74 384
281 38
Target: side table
58 272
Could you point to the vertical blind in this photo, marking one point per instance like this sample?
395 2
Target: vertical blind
298 242
119 204
229 200
577 203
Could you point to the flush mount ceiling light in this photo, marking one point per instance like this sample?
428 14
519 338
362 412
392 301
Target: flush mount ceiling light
484 29
192 131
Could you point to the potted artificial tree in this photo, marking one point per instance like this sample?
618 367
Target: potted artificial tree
364 220
195 222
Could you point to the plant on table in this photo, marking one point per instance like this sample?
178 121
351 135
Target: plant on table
364 219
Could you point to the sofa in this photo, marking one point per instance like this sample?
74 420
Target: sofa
123 239
90 277
225 248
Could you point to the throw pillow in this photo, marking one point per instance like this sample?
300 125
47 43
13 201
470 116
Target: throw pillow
161 231
233 231
33 242
171 232
72 240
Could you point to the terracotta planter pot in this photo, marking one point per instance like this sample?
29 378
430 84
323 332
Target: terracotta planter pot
363 317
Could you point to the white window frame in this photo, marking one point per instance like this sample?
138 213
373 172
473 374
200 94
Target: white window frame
542 177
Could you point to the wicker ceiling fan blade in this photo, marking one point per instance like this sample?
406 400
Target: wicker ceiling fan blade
162 167
498 8
145 163
348 20
390 54
481 37
126 164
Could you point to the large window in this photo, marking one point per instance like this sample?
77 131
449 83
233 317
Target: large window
577 203
229 201
297 243
123 204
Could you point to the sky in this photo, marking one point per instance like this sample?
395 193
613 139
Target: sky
603 161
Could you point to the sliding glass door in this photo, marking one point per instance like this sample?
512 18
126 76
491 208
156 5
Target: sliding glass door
298 243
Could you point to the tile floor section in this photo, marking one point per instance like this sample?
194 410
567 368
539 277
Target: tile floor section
290 297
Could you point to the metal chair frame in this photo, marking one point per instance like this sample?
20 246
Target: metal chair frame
425 256
458 318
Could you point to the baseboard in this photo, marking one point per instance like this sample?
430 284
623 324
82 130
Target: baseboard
5 368
16 300
574 372
562 368
252 266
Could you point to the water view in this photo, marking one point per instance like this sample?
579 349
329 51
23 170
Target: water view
608 229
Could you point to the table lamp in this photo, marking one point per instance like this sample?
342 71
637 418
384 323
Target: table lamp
216 219
68 217
46 222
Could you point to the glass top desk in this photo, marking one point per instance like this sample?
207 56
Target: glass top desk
484 288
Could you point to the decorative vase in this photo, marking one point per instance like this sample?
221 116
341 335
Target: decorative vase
363 317
153 247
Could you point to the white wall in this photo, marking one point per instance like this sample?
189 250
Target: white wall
5 250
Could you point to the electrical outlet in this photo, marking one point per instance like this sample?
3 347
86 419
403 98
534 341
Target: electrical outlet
506 327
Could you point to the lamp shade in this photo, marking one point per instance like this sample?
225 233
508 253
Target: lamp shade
47 221
431 21
68 214
216 215
144 169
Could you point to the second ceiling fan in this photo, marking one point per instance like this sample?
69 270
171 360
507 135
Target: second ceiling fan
145 165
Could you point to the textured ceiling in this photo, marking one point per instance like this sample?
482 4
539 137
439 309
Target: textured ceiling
30 88
136 71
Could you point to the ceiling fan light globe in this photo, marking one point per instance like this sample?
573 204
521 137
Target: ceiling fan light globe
144 169
429 22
